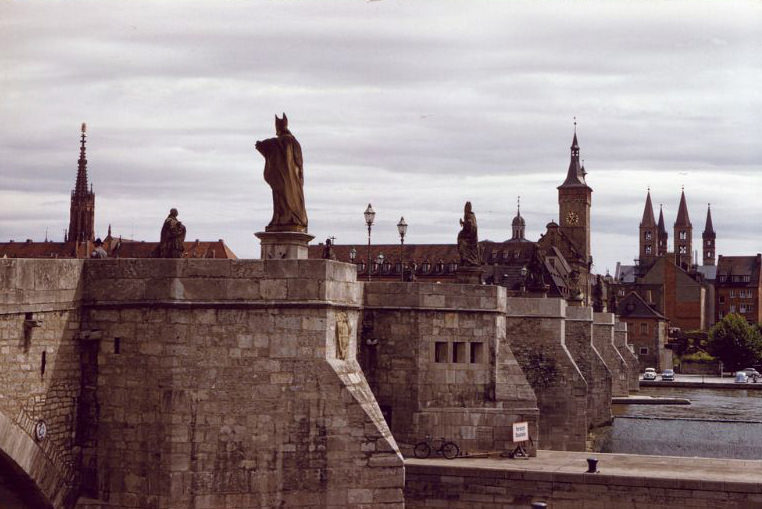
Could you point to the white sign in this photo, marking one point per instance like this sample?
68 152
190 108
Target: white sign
520 431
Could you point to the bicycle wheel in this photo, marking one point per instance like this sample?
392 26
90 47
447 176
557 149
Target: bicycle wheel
450 450
422 450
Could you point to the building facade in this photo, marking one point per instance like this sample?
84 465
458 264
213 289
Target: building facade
738 288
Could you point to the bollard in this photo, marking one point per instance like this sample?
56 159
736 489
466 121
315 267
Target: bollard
539 505
592 466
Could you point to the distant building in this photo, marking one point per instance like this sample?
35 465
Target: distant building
557 265
738 287
646 332
676 287
79 240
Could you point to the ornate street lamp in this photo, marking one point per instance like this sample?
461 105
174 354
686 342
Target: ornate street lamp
402 229
370 215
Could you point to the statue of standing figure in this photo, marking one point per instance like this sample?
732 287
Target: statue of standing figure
468 239
284 173
172 240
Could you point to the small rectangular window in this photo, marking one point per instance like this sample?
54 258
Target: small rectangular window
732 308
477 351
440 351
459 352
643 350
117 345
722 299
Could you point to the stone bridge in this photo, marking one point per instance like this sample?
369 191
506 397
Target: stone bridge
238 383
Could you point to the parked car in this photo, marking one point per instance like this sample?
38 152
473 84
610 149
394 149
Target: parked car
649 374
752 373
741 377
668 375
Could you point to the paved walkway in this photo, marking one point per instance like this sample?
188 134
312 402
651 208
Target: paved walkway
708 470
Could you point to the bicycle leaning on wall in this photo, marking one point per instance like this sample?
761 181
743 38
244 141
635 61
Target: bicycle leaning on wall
440 446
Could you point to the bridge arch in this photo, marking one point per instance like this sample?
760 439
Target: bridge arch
32 475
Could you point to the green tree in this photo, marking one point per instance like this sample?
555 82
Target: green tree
736 342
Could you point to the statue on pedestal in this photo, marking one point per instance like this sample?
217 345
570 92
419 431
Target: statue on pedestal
172 240
468 239
284 173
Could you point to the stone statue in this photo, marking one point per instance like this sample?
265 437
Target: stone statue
328 252
98 251
468 239
284 174
535 281
172 242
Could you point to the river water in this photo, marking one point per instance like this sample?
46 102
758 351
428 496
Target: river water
722 404
719 423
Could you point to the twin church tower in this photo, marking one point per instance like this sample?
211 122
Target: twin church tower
654 237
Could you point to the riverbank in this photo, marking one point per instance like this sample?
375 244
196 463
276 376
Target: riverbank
649 400
703 382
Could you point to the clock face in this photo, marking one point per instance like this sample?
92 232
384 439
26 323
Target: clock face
572 218
40 430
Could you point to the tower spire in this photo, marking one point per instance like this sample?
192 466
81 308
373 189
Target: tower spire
648 213
648 234
683 235
80 188
82 210
708 228
575 176
708 238
662 234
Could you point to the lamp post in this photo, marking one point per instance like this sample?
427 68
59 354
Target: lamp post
370 214
402 229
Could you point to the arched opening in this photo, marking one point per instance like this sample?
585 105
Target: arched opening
17 490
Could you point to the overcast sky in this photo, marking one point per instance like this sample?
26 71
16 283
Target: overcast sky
413 106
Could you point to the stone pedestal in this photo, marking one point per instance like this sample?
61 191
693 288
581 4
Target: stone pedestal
469 275
284 245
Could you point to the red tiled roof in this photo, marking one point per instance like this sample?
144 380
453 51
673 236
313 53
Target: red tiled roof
195 249
115 248
37 250
740 266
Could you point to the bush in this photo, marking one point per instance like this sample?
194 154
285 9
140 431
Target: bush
735 342
698 356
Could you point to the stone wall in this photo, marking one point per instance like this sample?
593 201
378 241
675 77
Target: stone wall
579 342
437 361
232 383
39 371
536 334
603 339
633 367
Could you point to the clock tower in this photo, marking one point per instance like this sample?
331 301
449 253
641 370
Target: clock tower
574 199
